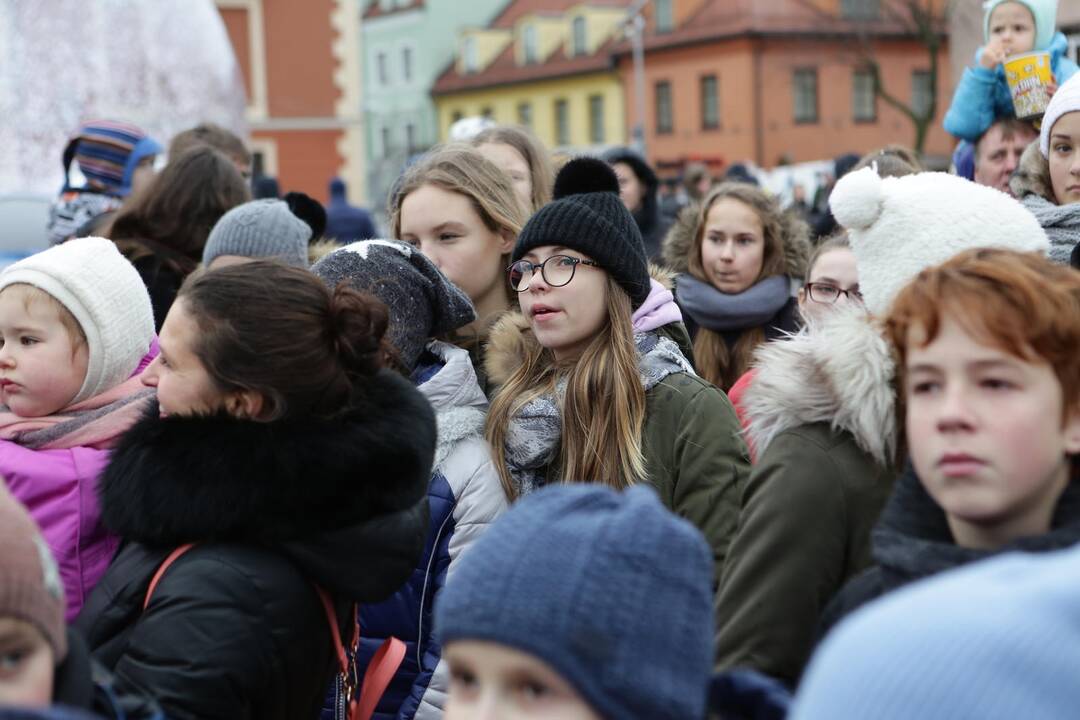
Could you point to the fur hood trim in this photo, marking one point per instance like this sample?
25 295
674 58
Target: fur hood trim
175 480
840 372
455 394
1032 177
680 239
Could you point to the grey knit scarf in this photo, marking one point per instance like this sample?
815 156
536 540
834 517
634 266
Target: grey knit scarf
721 312
532 439
1061 223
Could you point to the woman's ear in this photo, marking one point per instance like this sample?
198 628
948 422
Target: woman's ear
507 242
245 404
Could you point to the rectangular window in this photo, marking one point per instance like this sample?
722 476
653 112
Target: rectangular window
524 114
664 121
922 92
804 83
860 9
384 136
665 18
710 103
468 53
863 97
596 119
529 39
410 137
406 64
488 112
580 47
382 69
562 123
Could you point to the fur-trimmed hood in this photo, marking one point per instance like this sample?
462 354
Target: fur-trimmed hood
839 372
320 491
1032 175
455 395
680 240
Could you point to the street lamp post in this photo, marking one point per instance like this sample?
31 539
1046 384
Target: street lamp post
635 29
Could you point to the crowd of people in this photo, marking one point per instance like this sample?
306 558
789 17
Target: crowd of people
551 448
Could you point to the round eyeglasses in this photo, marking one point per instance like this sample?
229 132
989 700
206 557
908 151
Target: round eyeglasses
557 271
827 293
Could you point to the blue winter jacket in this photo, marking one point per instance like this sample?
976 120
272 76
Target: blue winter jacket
465 495
982 96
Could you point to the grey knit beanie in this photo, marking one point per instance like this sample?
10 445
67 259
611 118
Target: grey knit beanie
610 589
260 229
588 216
422 302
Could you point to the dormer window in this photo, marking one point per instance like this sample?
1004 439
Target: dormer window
468 55
529 43
580 44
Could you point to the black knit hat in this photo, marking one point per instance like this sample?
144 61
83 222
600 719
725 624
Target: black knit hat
588 216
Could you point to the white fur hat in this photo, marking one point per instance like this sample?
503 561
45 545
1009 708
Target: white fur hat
901 226
1065 100
104 292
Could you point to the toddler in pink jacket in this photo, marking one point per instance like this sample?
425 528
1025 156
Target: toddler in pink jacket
76 327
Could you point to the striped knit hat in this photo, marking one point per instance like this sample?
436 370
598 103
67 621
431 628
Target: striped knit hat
108 153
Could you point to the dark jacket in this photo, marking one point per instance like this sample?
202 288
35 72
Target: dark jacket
235 628
821 414
650 221
162 270
347 223
81 683
913 541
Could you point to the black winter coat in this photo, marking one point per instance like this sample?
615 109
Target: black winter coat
235 628
912 540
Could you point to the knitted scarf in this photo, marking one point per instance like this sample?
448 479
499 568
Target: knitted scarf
1061 223
532 439
723 312
96 422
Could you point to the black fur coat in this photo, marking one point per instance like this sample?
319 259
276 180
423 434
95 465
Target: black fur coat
235 628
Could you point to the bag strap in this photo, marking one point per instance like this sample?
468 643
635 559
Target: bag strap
380 671
169 560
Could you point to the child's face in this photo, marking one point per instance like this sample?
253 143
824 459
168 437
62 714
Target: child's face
1014 25
183 385
42 367
1065 159
26 665
986 434
489 681
732 246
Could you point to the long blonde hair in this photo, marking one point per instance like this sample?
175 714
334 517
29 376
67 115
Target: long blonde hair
603 410
716 363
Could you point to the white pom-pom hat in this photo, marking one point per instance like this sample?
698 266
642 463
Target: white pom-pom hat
901 226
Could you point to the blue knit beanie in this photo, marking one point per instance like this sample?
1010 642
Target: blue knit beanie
609 589
1044 13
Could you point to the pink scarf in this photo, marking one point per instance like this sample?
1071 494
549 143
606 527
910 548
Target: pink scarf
96 422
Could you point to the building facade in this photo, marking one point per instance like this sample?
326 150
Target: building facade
406 44
301 68
776 82
543 64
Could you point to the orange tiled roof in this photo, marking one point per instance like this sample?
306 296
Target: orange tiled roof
504 70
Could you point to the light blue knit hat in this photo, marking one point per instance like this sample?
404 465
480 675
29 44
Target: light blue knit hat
1044 12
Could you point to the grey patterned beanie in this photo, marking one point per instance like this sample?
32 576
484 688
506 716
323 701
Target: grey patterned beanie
423 303
263 229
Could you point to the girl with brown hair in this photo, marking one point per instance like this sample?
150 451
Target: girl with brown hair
588 391
522 157
461 211
163 230
737 264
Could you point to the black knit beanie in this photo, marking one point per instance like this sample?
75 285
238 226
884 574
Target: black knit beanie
588 216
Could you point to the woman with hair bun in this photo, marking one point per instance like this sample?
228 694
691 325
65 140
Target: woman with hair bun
277 451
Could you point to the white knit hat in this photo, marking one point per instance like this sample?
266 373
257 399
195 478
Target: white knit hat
104 292
901 226
1065 100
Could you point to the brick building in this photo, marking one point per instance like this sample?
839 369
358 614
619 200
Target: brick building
301 68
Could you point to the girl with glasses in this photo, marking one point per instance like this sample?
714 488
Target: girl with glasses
462 212
588 391
736 263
